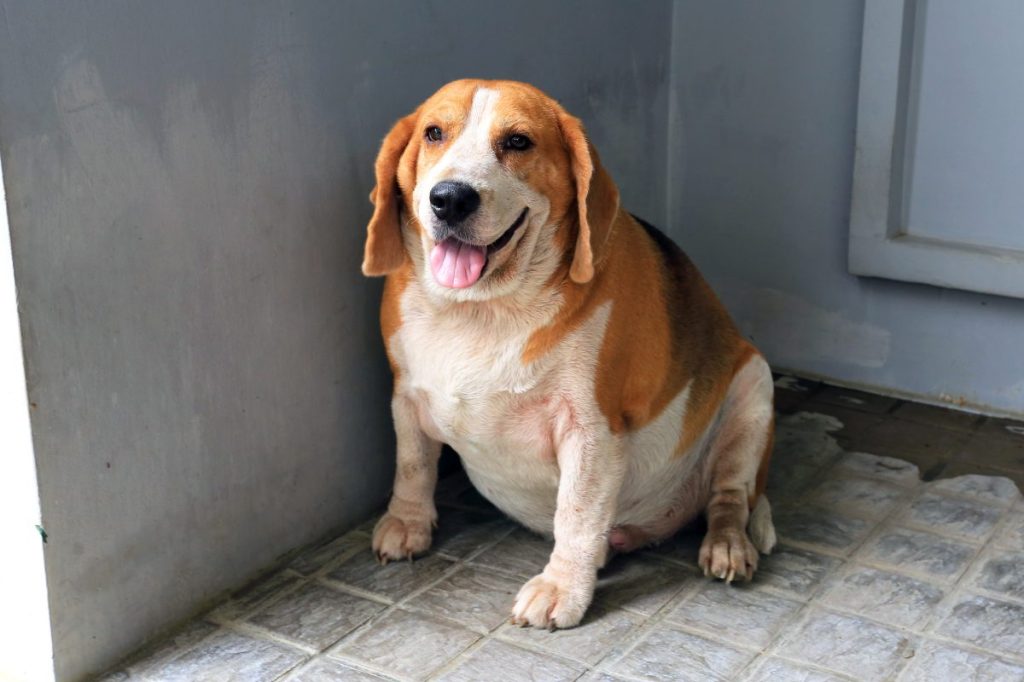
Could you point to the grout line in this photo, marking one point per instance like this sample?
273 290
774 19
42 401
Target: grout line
636 636
461 657
794 625
320 576
365 665
817 667
334 650
345 588
263 634
291 674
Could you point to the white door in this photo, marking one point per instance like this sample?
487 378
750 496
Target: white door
938 193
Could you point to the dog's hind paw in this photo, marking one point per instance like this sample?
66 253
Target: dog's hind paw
728 554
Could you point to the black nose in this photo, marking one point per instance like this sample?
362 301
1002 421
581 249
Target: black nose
453 202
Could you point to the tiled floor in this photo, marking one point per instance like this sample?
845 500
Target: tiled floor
878 576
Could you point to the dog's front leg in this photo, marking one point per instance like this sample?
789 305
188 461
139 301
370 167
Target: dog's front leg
405 530
591 472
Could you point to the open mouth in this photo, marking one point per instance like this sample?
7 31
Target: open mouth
457 264
506 237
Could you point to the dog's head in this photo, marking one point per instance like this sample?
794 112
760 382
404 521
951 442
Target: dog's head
489 184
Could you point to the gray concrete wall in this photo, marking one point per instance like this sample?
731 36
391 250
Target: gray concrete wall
187 185
763 112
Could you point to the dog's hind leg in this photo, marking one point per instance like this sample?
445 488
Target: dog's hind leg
738 458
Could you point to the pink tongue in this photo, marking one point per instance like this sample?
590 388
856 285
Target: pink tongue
457 265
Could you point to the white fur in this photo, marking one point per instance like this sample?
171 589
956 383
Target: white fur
762 530
474 393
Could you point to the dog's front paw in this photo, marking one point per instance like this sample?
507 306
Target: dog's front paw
395 538
548 602
728 554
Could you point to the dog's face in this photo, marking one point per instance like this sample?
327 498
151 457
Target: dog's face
488 185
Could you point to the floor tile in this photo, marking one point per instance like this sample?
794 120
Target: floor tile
250 598
668 654
1003 573
326 670
737 613
940 661
795 571
1000 452
941 417
500 661
926 446
229 657
595 676
587 643
995 426
861 496
788 483
1011 532
461 532
990 624
960 467
182 640
850 423
315 615
889 469
476 597
923 553
849 645
890 598
315 558
408 644
787 402
395 580
522 553
817 526
794 384
856 400
804 439
641 583
970 520
993 489
778 670
791 392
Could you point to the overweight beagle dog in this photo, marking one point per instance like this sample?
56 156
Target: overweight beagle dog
593 385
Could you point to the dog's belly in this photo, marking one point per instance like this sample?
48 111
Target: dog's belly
523 487
663 489
506 446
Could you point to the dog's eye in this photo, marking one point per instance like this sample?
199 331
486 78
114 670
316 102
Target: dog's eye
434 134
518 142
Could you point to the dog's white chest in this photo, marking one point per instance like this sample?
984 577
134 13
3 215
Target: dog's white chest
473 391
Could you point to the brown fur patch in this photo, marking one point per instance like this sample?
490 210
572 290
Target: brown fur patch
667 329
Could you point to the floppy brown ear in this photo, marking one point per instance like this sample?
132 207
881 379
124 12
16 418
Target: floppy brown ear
385 250
597 199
